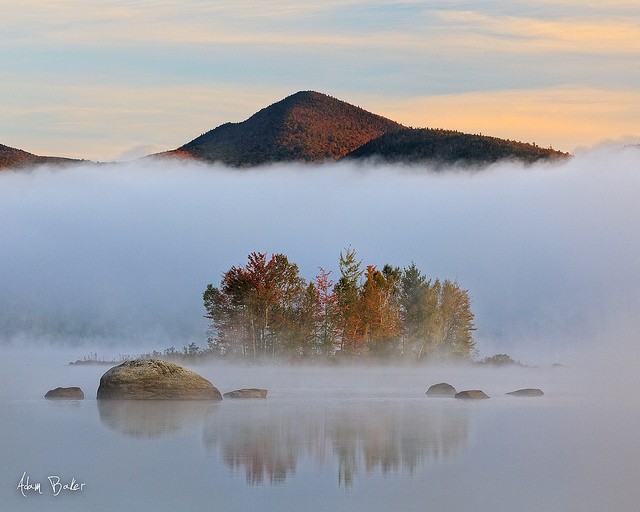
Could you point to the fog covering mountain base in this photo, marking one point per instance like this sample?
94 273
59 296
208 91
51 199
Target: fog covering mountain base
118 256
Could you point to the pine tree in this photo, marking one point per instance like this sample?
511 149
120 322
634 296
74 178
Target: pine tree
347 295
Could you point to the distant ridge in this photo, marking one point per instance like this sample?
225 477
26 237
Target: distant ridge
309 126
306 126
413 145
313 127
17 158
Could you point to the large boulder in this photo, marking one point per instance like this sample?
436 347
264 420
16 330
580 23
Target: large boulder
152 379
247 393
441 390
471 394
70 393
532 392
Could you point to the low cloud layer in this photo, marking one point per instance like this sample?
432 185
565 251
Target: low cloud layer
121 254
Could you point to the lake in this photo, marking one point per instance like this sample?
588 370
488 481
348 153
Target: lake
325 438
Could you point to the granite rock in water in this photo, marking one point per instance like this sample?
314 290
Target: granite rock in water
71 393
152 379
471 394
526 392
247 393
442 389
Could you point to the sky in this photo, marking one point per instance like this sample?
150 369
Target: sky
113 80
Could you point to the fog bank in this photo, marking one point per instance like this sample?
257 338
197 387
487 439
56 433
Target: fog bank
120 255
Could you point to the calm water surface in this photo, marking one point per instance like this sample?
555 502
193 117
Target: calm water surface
339 439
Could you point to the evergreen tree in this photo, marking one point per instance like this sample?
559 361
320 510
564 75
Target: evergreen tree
412 287
347 296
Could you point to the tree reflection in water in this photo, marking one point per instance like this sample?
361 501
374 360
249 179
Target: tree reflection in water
267 439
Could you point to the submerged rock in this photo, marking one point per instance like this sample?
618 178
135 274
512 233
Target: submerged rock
247 393
152 379
526 392
442 389
70 393
472 394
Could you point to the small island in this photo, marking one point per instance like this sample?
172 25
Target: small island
264 309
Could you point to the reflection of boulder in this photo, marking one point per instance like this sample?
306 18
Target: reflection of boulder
149 419
70 393
531 392
247 393
152 379
471 394
441 390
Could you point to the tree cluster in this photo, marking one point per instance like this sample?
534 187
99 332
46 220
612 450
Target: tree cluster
265 309
412 145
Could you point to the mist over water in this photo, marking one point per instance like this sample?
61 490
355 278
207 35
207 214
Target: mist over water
119 255
114 259
340 438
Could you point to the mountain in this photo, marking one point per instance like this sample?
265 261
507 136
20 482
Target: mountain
313 127
413 145
306 126
12 158
310 126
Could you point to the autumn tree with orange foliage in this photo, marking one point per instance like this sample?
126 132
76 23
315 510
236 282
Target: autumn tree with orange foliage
380 309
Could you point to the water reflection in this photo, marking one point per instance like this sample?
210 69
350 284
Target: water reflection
153 418
267 440
264 439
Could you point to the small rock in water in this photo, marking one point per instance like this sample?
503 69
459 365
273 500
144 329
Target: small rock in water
442 389
247 393
526 392
471 394
70 393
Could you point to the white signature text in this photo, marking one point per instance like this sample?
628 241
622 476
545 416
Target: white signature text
56 485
